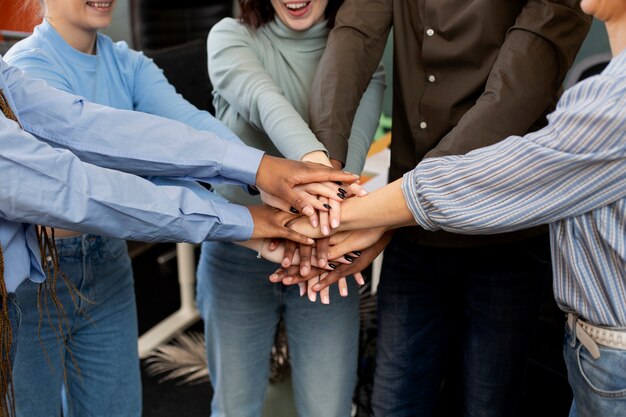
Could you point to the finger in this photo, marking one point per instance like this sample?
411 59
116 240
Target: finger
358 277
289 253
302 286
334 215
323 216
343 287
321 248
325 295
289 234
356 190
291 275
305 259
310 293
273 245
327 189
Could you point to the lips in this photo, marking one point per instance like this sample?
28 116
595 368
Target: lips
298 8
101 5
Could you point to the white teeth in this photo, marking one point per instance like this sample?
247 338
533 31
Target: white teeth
296 6
99 4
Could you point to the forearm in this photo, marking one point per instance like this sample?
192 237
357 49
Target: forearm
101 135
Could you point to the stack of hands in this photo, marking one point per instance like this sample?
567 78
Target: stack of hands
300 225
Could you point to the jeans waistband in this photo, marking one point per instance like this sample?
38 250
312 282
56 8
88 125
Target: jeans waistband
591 336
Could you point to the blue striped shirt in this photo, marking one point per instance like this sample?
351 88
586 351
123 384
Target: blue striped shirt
570 174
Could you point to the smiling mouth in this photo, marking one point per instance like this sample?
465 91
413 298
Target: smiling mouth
297 7
100 4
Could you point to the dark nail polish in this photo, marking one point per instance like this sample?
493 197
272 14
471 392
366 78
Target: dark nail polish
333 266
342 191
357 252
338 182
349 258
293 210
342 196
327 206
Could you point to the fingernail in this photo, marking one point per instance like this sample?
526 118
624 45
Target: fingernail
304 270
332 265
308 211
288 280
349 258
334 223
325 231
302 289
342 191
360 281
321 262
317 287
325 299
357 252
342 196
293 210
327 206
338 182
343 291
312 297
274 277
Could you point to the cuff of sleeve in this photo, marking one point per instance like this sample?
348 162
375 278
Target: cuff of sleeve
241 163
235 224
337 145
409 190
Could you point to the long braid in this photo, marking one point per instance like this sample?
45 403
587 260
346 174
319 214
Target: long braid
7 396
48 304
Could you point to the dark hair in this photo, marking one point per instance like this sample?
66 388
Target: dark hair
256 13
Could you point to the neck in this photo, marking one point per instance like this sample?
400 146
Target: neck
617 36
80 39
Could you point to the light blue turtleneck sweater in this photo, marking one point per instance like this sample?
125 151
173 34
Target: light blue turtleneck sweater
262 80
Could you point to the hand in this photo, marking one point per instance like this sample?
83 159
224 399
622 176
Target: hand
277 177
349 241
270 222
355 265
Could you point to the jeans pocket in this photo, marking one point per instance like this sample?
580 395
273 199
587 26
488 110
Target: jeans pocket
606 376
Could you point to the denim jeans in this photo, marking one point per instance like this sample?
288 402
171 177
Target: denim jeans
457 318
599 385
241 310
105 378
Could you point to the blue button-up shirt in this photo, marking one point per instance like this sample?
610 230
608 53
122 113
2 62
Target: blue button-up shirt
62 168
571 174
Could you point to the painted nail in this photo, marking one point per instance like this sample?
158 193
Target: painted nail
349 258
357 252
342 196
327 206
342 191
332 265
338 182
293 210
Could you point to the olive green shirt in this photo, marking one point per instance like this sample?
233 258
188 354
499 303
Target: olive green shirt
466 74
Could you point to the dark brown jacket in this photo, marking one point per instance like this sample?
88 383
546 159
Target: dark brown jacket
467 74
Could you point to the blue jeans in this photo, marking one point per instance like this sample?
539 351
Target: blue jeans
599 385
241 310
105 379
460 318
